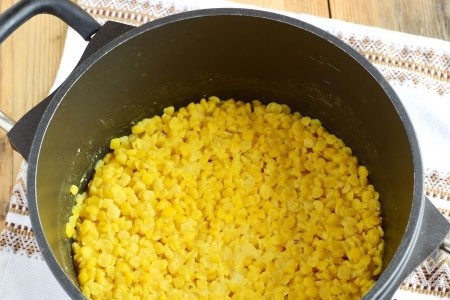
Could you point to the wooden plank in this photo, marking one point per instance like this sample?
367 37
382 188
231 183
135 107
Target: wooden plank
422 17
29 59
6 167
316 7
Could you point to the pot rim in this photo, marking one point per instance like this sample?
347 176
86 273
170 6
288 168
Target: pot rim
391 275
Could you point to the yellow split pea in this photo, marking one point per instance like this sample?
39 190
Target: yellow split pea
227 200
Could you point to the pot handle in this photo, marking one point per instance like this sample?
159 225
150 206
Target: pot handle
24 10
434 233
67 11
6 123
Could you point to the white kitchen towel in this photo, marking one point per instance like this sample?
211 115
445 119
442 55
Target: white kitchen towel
417 68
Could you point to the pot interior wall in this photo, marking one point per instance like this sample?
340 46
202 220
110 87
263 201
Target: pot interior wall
228 56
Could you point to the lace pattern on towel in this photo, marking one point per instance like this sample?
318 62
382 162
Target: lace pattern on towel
18 236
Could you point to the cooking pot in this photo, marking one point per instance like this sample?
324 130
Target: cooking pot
129 73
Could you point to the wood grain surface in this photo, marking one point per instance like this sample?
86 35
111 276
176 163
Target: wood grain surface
30 57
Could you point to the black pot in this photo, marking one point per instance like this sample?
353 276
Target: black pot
130 73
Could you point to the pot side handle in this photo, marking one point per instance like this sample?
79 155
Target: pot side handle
67 11
24 10
434 233
21 135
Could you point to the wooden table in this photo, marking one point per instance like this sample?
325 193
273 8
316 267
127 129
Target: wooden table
29 59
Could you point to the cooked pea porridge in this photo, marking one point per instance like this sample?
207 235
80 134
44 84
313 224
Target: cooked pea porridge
227 200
